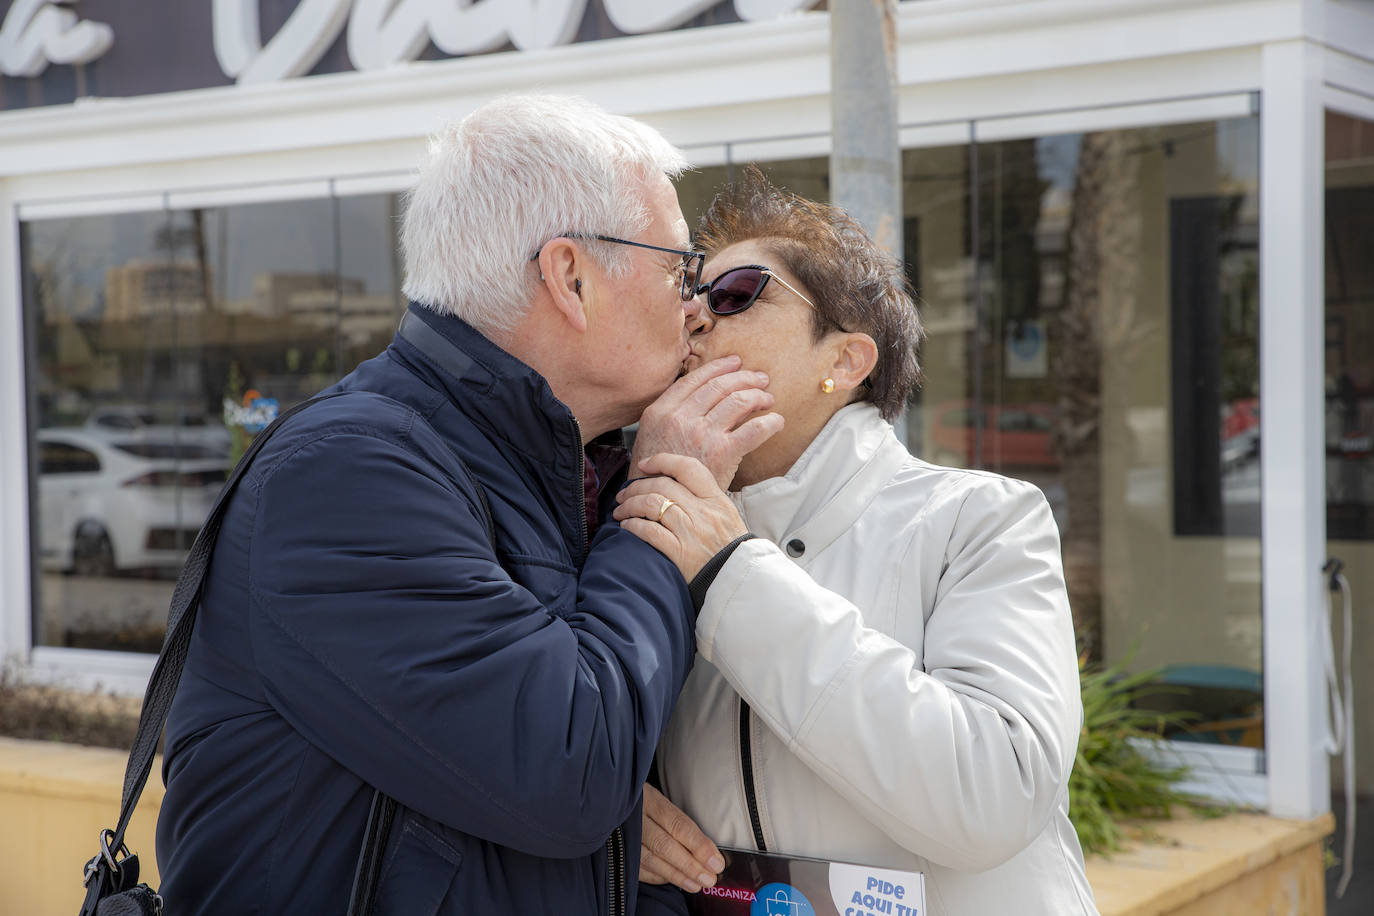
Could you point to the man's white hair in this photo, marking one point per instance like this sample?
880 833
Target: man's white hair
513 174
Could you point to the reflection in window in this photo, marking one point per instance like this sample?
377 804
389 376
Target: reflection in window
1214 309
1349 329
164 342
1092 308
57 457
254 338
1092 314
1349 392
697 187
370 303
1091 302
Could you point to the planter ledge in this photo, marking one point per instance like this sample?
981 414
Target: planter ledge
56 798
1233 864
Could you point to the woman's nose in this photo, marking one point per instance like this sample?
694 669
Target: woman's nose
699 317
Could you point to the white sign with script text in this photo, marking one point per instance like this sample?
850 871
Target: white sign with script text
378 33
36 33
383 33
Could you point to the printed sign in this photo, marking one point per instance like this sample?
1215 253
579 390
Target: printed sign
780 900
764 884
253 415
1026 355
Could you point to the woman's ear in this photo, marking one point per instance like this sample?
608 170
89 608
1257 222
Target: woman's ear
856 356
561 264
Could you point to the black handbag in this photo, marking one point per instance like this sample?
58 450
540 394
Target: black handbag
111 876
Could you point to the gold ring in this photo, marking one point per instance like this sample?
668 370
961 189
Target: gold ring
667 504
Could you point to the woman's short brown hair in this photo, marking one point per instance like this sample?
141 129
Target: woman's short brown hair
856 285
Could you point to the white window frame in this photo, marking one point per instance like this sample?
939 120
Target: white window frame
1293 504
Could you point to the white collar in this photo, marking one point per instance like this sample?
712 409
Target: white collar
829 485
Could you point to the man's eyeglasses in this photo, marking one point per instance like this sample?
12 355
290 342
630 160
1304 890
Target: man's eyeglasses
738 288
692 261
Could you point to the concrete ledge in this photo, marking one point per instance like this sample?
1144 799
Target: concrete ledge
54 801
1239 863
56 798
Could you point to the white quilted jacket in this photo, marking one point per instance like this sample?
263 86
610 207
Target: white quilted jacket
902 637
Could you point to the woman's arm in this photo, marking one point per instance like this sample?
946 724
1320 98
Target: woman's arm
960 755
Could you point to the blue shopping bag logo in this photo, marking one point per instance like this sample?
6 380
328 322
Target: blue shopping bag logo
780 900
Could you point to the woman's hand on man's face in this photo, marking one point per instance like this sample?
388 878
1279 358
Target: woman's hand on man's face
708 415
694 523
673 849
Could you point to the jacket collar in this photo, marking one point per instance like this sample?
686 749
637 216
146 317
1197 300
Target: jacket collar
830 485
511 401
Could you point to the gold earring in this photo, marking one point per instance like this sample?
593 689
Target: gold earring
828 386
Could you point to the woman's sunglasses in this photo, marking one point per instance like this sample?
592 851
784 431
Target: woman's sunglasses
738 288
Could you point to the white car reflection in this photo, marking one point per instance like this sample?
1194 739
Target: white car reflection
128 422
107 504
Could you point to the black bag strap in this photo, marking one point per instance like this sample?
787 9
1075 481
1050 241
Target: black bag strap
103 871
181 618
162 687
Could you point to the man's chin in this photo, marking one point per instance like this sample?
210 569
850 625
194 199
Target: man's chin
665 382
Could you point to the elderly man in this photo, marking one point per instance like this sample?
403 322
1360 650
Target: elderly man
417 587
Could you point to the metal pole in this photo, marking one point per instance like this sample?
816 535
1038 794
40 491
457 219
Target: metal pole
975 231
865 156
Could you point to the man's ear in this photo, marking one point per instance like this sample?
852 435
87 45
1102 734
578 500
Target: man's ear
855 357
561 264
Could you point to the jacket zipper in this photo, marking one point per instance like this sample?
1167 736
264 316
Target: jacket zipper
746 759
581 490
615 846
615 872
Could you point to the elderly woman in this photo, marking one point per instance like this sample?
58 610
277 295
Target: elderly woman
886 670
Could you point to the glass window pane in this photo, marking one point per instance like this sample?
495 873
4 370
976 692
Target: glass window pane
101 295
370 302
151 331
1091 304
809 177
1350 401
696 188
944 425
1104 346
1349 329
266 337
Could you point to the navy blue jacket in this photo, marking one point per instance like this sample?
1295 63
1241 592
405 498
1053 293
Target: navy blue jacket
357 630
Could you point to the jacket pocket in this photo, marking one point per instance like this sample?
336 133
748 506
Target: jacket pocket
418 872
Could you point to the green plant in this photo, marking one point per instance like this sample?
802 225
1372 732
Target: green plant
1112 781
